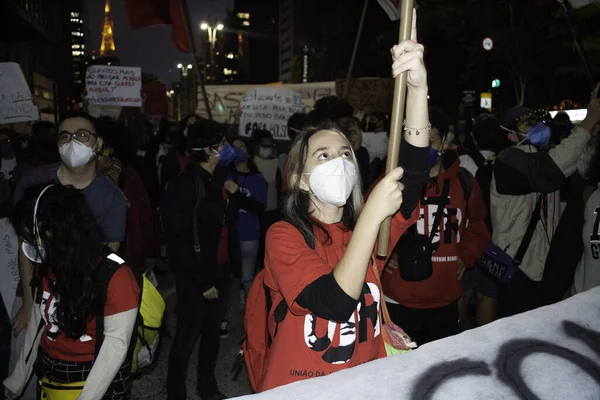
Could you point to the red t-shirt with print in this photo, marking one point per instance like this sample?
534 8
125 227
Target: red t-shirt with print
123 295
306 346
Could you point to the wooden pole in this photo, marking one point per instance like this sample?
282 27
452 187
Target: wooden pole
355 50
406 14
190 38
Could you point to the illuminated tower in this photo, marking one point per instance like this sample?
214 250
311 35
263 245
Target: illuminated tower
107 48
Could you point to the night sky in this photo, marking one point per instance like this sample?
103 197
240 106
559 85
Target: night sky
151 48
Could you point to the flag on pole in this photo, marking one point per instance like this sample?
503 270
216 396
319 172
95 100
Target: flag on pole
582 3
144 13
391 8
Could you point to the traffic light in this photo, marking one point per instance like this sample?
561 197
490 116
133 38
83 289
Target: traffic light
496 83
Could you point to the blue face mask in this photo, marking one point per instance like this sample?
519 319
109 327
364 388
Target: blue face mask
434 156
240 155
539 135
226 155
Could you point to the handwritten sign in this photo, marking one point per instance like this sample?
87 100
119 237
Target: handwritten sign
9 267
269 108
225 101
15 96
114 86
368 94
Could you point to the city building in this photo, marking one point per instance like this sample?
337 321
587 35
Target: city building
248 47
36 34
78 50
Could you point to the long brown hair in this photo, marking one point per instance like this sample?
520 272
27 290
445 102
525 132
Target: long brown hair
297 202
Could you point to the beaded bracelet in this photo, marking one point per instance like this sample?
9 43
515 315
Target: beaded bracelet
416 130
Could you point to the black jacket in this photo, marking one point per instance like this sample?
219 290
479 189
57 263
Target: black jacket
214 212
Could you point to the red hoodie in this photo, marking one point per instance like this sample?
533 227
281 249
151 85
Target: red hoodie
455 238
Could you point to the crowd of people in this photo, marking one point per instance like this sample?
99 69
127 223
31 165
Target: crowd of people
219 208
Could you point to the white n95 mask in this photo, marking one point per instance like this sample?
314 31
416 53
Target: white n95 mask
75 154
332 182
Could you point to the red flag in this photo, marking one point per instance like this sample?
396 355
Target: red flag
391 8
156 99
144 13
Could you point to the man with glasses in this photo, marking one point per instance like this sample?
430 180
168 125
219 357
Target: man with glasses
78 145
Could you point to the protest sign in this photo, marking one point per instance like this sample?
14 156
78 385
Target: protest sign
269 108
225 100
97 111
15 96
366 95
9 267
114 86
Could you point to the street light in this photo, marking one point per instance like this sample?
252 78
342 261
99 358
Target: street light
212 39
179 66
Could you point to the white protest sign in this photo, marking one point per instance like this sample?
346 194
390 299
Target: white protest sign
269 108
15 96
97 111
225 101
114 86
9 266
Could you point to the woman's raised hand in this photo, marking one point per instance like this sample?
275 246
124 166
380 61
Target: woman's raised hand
408 56
386 198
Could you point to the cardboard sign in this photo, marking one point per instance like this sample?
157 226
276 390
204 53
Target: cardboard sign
366 95
114 86
15 96
225 100
269 108
9 266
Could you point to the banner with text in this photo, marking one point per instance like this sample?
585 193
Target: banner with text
225 100
9 266
114 86
269 108
15 96
368 94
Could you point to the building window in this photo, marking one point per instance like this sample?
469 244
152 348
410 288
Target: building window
230 56
227 71
246 23
243 16
74 14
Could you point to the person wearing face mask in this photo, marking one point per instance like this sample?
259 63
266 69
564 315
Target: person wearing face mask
525 187
200 209
318 261
452 234
78 144
268 166
253 188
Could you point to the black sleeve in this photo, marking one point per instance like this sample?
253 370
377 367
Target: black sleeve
278 184
247 203
326 299
519 173
414 160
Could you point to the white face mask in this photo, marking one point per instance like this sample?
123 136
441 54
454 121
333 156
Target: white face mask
265 152
332 182
75 154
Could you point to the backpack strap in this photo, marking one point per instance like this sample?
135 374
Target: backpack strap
103 277
200 195
466 182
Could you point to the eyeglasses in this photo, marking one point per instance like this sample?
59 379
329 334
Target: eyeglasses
81 135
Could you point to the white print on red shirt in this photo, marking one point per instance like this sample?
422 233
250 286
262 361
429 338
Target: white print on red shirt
348 330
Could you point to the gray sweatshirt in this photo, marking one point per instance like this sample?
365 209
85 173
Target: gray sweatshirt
587 275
